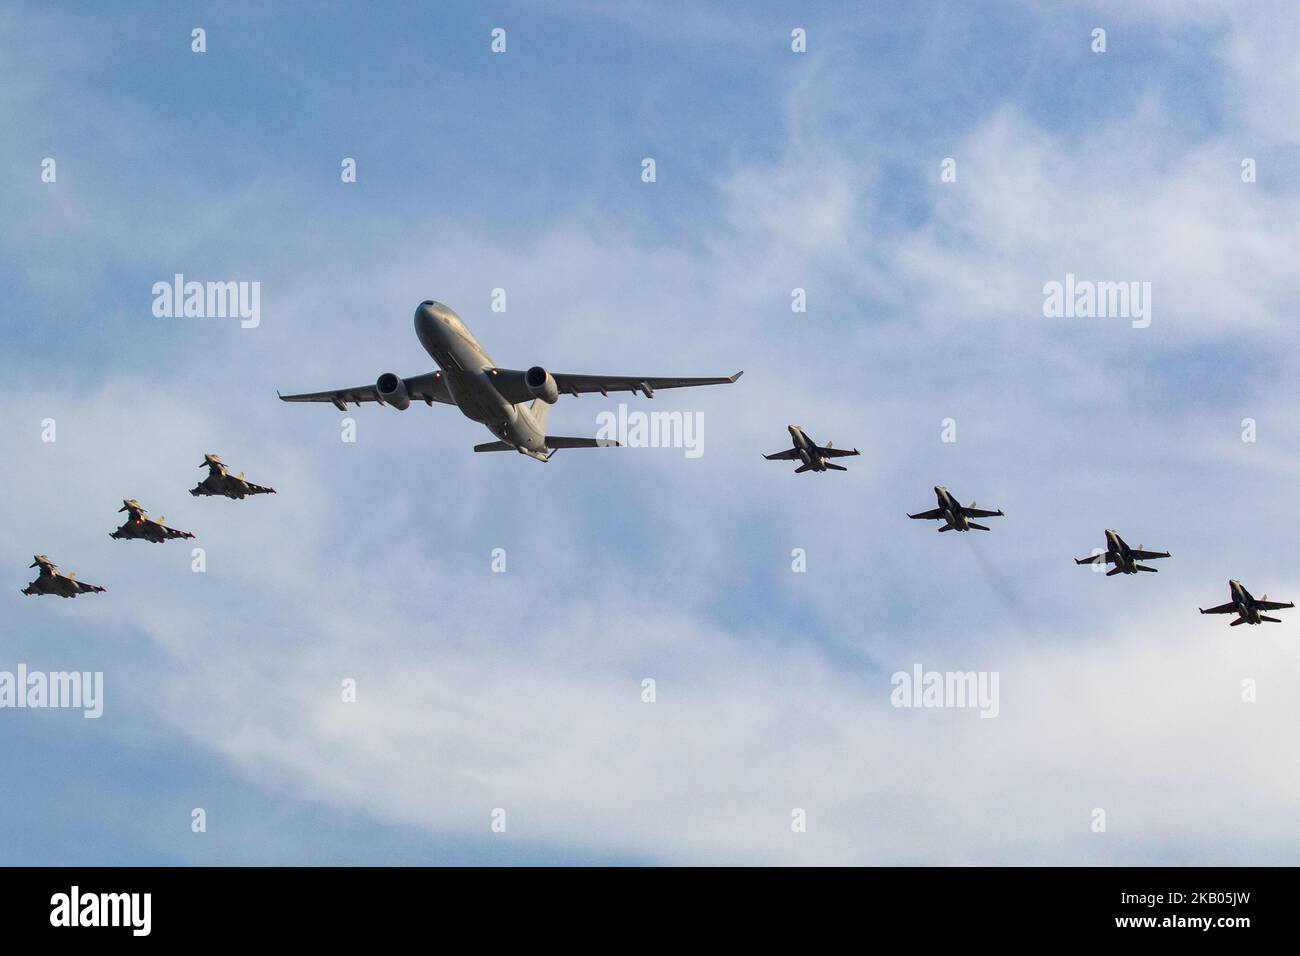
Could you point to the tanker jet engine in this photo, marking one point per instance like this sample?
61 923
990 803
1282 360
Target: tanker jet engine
495 397
1122 556
1247 607
807 451
221 482
53 581
140 525
953 515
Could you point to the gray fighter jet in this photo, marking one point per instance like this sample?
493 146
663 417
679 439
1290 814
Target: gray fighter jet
955 516
1122 556
140 525
221 482
1247 607
808 451
469 379
53 581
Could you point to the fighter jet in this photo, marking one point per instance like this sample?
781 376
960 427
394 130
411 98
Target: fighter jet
1247 607
953 515
221 482
1122 556
468 378
807 451
140 525
53 581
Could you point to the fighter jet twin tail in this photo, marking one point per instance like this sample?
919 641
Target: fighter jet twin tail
140 526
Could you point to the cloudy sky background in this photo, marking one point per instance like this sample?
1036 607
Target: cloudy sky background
522 690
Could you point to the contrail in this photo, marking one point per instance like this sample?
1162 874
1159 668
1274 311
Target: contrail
1000 586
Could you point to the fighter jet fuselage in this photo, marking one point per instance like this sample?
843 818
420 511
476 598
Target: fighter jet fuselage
807 448
952 511
1118 553
1245 602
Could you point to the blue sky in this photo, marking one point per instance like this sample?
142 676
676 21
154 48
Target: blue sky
775 171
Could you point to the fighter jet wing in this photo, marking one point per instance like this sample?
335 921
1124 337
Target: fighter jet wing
981 513
510 383
837 452
929 515
790 454
1148 555
430 387
1272 605
238 483
1093 559
1229 608
83 588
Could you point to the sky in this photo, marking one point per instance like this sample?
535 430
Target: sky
521 691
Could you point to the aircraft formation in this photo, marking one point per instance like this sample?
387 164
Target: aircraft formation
139 526
514 405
